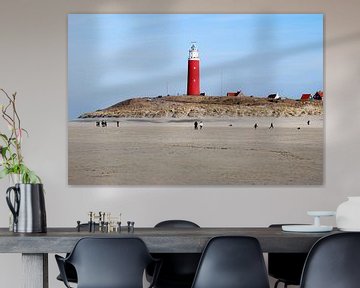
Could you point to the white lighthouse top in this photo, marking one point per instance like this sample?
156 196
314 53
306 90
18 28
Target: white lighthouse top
193 52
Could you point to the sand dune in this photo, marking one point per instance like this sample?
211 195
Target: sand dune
207 106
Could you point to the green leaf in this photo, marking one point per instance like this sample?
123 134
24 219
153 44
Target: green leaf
4 137
33 178
4 151
28 176
15 169
26 132
4 173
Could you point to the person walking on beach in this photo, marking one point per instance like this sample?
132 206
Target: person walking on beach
308 122
201 125
117 123
271 126
255 126
195 125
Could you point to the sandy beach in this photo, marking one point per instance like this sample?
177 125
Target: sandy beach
170 152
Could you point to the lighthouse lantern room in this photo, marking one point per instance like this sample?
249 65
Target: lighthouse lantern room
193 83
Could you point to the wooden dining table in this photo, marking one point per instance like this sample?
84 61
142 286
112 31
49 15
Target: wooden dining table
35 247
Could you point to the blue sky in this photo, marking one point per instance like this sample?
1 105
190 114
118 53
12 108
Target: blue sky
113 57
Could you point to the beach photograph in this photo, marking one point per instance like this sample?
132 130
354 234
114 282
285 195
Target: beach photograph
195 99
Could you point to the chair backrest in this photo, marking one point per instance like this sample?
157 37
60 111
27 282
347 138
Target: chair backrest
176 224
286 266
232 262
333 262
110 262
178 269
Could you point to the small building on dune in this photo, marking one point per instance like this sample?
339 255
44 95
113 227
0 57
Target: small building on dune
229 94
318 95
306 97
274 96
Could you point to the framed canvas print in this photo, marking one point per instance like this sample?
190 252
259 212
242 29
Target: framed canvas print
195 99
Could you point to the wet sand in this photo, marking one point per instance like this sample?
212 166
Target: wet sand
171 152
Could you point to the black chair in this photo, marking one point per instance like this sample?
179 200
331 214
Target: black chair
232 262
286 267
333 262
178 269
108 263
69 269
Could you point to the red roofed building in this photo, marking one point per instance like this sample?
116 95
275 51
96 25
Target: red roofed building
233 93
306 97
318 95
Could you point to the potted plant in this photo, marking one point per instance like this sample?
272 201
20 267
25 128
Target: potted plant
26 198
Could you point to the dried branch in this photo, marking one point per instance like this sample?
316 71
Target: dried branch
12 159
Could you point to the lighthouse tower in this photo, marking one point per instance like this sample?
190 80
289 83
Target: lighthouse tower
193 81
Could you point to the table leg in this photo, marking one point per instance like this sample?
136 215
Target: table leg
35 270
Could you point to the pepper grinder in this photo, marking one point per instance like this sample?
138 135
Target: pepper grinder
131 226
90 221
78 226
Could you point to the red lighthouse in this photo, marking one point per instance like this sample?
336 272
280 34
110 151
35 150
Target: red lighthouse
193 81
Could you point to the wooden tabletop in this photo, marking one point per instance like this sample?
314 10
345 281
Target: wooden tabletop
158 240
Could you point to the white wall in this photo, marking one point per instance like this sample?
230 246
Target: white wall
33 62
